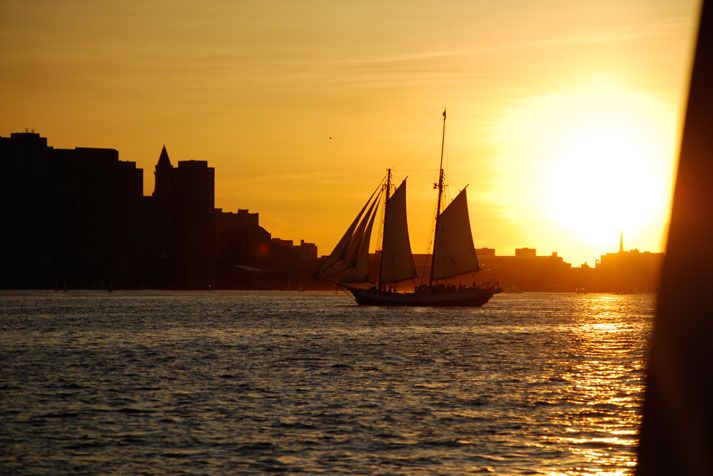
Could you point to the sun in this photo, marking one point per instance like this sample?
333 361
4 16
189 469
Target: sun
574 167
606 176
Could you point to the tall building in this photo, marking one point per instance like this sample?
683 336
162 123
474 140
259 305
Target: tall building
163 176
243 251
159 226
77 218
72 215
194 235
628 271
181 224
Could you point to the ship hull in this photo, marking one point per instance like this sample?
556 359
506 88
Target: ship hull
470 297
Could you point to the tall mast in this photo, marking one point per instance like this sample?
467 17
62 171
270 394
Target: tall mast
380 283
440 194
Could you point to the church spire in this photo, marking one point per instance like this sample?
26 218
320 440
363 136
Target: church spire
163 176
621 242
163 159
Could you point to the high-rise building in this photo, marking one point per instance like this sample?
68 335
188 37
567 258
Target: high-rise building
77 218
194 235
181 225
71 215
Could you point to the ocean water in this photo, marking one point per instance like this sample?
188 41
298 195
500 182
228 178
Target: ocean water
243 382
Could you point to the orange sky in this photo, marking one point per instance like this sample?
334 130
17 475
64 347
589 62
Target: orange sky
563 116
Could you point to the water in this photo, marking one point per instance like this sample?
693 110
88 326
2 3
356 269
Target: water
308 382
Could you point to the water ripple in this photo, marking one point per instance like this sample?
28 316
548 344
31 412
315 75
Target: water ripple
226 382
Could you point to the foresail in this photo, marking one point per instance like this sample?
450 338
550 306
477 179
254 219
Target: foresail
359 271
396 258
352 254
453 252
339 251
346 255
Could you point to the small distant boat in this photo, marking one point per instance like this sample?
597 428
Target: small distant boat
453 253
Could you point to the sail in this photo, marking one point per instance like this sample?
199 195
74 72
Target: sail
453 251
359 271
339 251
396 258
345 255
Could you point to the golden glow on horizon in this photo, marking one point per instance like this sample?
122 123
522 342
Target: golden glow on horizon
592 161
563 116
613 168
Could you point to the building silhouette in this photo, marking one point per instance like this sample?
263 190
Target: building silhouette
243 249
70 214
628 271
77 218
183 224
526 271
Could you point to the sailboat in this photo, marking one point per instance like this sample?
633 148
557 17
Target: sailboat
453 252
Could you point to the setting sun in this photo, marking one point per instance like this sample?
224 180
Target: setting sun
612 171
563 119
591 161
356 237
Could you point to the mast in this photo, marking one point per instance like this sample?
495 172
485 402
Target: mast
440 195
380 283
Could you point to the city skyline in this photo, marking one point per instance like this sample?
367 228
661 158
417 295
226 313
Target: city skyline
563 116
202 272
79 219
24 145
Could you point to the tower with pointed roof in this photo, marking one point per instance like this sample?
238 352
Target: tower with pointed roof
163 220
184 235
164 177
621 242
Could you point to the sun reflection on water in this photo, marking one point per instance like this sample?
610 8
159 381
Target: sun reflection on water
531 383
607 384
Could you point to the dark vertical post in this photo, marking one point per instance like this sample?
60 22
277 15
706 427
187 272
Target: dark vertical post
676 435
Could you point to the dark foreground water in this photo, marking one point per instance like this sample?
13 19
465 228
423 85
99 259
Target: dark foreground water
300 382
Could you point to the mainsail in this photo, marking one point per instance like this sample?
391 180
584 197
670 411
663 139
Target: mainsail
453 251
348 262
396 258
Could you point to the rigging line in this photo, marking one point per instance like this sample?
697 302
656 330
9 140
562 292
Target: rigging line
430 169
378 186
418 143
429 245
380 227
446 188
381 182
